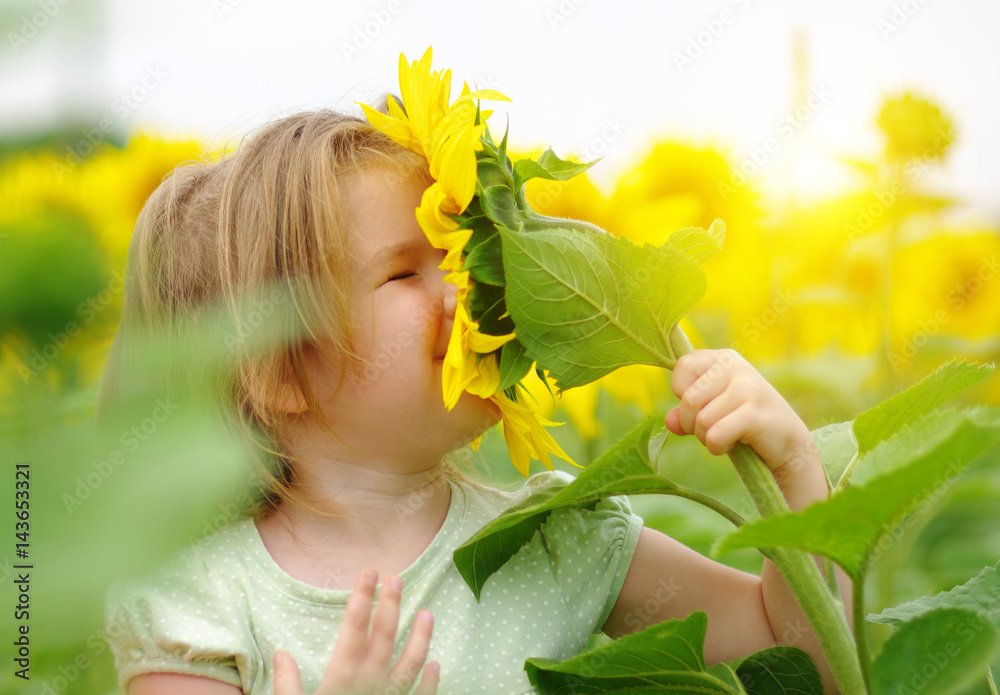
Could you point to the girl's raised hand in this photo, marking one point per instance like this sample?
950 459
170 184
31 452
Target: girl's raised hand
725 400
360 664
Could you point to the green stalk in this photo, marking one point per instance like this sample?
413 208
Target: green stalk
798 568
715 505
532 221
803 576
861 626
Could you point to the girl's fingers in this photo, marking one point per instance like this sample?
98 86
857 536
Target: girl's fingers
286 675
723 434
384 625
414 652
713 411
352 642
429 680
694 365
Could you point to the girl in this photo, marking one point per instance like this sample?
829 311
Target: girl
352 437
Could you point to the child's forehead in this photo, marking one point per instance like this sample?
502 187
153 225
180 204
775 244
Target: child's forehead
380 204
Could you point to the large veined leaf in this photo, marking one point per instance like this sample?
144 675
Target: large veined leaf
664 658
586 304
907 471
981 595
940 652
779 671
947 381
625 469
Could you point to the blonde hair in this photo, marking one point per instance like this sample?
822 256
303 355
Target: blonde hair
270 215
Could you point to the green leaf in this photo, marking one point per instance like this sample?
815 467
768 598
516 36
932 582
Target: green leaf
624 469
779 671
879 423
981 595
909 471
482 229
490 173
700 245
486 304
586 304
548 166
514 364
837 448
940 652
498 203
485 262
664 658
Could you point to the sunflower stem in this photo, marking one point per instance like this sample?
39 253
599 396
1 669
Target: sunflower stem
799 570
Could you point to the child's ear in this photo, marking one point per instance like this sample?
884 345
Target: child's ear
284 397
290 398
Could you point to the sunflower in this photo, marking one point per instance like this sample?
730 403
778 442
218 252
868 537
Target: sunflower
448 135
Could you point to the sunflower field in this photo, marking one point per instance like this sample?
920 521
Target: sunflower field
840 303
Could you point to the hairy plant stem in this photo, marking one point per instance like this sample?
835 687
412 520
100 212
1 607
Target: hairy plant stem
715 505
798 568
861 625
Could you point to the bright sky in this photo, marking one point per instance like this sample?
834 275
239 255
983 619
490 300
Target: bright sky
585 76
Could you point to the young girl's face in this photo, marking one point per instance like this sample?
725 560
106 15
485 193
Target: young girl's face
404 311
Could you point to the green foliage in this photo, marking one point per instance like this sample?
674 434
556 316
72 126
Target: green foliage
585 305
779 671
884 420
941 651
980 595
548 166
626 468
665 658
912 465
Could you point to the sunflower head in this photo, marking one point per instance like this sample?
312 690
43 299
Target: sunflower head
472 175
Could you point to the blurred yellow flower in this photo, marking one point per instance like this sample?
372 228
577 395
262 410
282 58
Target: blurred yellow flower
915 127
947 284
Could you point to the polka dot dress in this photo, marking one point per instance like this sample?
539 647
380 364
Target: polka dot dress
223 607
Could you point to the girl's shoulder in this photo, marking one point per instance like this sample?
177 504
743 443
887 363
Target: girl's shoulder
204 566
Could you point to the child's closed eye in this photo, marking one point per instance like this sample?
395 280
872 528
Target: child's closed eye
401 276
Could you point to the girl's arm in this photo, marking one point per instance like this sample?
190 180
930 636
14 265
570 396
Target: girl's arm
724 400
179 684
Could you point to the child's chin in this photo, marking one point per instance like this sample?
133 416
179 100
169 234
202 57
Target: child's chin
483 412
